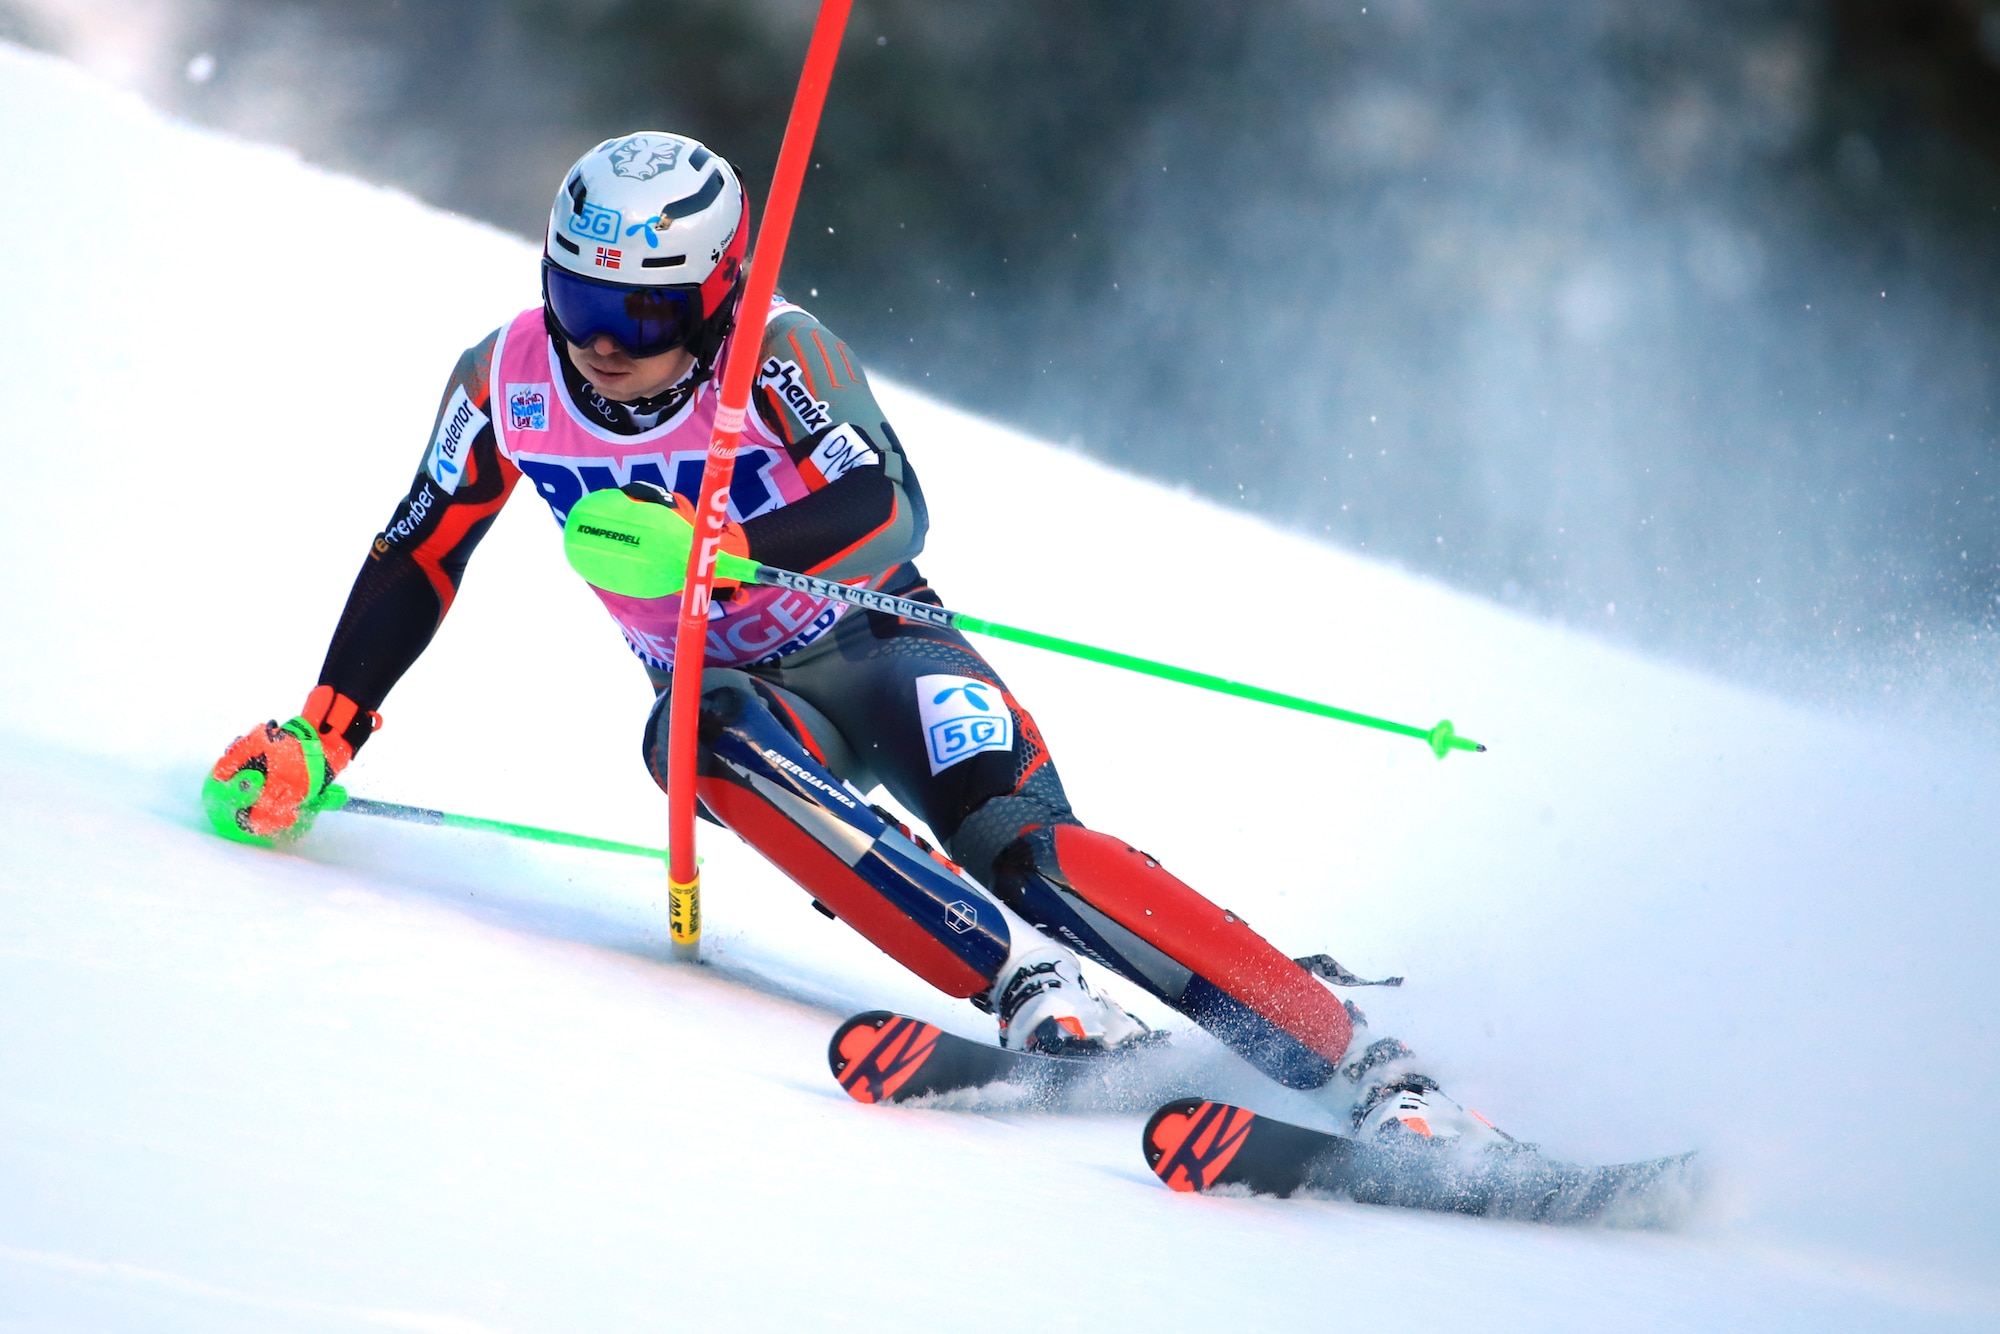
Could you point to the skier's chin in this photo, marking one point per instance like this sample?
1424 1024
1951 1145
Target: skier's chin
626 379
613 385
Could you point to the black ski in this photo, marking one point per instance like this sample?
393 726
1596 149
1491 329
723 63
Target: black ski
884 1057
1194 1145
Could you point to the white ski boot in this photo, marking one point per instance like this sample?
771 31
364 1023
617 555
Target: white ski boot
1392 1098
1413 1105
1045 1004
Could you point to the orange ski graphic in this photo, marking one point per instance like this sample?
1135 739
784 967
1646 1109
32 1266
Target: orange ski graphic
876 1054
884 1057
1189 1143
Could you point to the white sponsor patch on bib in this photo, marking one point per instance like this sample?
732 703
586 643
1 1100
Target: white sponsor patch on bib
527 407
842 450
457 428
962 716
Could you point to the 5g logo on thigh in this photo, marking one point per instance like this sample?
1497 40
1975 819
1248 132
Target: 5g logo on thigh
962 716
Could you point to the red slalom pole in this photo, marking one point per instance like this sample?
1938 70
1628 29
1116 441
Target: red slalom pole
738 371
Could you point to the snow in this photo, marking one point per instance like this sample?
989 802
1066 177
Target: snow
408 1078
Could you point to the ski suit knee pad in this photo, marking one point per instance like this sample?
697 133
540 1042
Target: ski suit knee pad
760 780
1005 818
1122 908
808 726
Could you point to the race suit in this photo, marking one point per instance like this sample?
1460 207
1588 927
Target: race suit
808 705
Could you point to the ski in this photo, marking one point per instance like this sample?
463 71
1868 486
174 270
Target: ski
881 1056
1195 1145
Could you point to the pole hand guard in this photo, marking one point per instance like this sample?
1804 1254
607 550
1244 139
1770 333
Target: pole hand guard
271 783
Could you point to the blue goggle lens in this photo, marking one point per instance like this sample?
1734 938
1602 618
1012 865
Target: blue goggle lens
645 321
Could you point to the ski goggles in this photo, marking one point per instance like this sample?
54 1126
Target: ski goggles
645 321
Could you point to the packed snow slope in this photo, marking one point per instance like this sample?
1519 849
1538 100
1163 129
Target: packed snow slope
400 1077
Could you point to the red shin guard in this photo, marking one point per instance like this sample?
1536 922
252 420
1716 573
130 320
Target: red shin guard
1137 893
840 887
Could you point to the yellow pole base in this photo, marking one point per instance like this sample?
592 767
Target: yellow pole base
684 917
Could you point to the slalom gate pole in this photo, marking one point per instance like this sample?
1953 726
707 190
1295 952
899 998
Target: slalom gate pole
636 549
712 505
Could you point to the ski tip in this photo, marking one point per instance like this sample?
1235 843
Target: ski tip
1189 1142
1685 1167
874 1054
1659 1193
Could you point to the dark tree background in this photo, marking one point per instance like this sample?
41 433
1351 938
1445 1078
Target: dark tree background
1667 317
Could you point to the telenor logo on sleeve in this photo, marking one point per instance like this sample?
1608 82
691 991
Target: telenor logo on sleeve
962 716
457 428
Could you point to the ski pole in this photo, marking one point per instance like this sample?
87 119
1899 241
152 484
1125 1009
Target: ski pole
396 810
638 550
223 799
712 499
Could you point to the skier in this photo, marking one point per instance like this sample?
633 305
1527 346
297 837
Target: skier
806 704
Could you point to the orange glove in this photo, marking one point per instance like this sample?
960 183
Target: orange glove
274 779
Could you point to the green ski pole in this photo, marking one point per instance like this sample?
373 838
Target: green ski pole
223 799
639 549
395 810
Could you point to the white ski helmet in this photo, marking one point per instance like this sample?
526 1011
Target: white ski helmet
645 243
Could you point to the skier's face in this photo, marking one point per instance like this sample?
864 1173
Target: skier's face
624 378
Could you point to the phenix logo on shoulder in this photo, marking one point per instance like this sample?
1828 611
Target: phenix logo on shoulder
788 384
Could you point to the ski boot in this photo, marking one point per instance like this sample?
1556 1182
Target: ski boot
1394 1101
1413 1105
1046 1005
